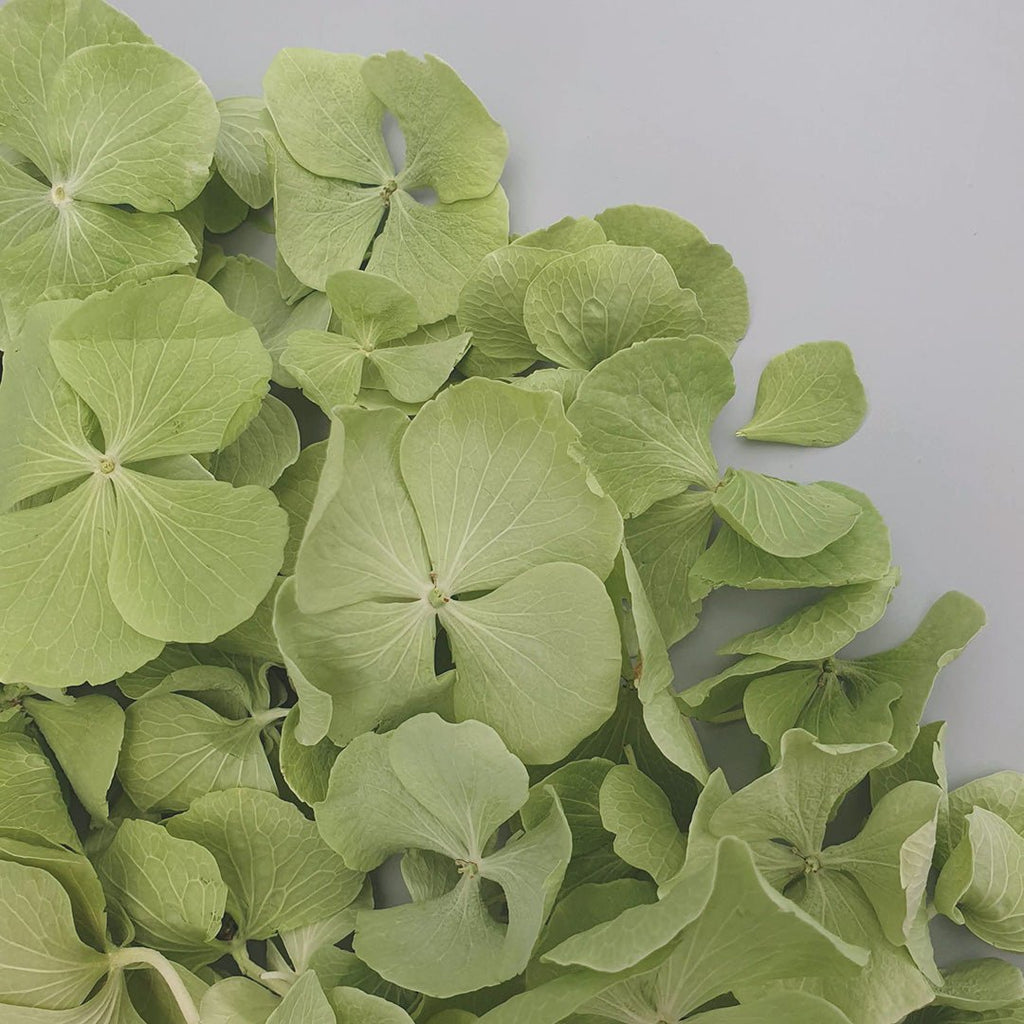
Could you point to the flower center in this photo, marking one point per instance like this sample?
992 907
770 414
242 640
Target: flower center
107 465
59 195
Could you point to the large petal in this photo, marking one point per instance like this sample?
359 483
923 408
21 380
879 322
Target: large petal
279 872
374 659
132 124
249 287
415 372
365 541
166 366
79 247
783 518
428 785
241 152
191 559
700 265
323 224
431 250
36 38
862 555
170 889
810 395
176 749
326 116
58 623
46 427
590 304
452 144
538 659
43 963
665 542
645 416
328 367
493 482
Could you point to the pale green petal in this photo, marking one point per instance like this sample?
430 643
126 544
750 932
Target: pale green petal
429 784
414 373
586 306
351 1006
170 888
59 624
249 287
295 491
263 451
46 427
861 555
431 250
496 489
81 247
75 874
35 40
665 542
323 224
639 815
537 659
111 1005
43 963
370 308
712 920
305 767
795 800
886 989
401 943
925 762
176 749
578 785
452 144
982 883
819 630
366 543
892 855
31 803
833 702
570 234
987 983
279 872
375 659
645 416
810 395
192 559
491 303
705 268
946 629
580 910
326 116
237 1001
328 367
1001 793
783 518
166 366
304 1003
132 124
241 152
222 211
85 737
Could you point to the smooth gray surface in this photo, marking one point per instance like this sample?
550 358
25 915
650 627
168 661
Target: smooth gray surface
862 162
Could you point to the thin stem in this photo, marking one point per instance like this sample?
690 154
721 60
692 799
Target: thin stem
172 979
252 970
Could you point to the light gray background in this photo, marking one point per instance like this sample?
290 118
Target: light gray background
863 163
